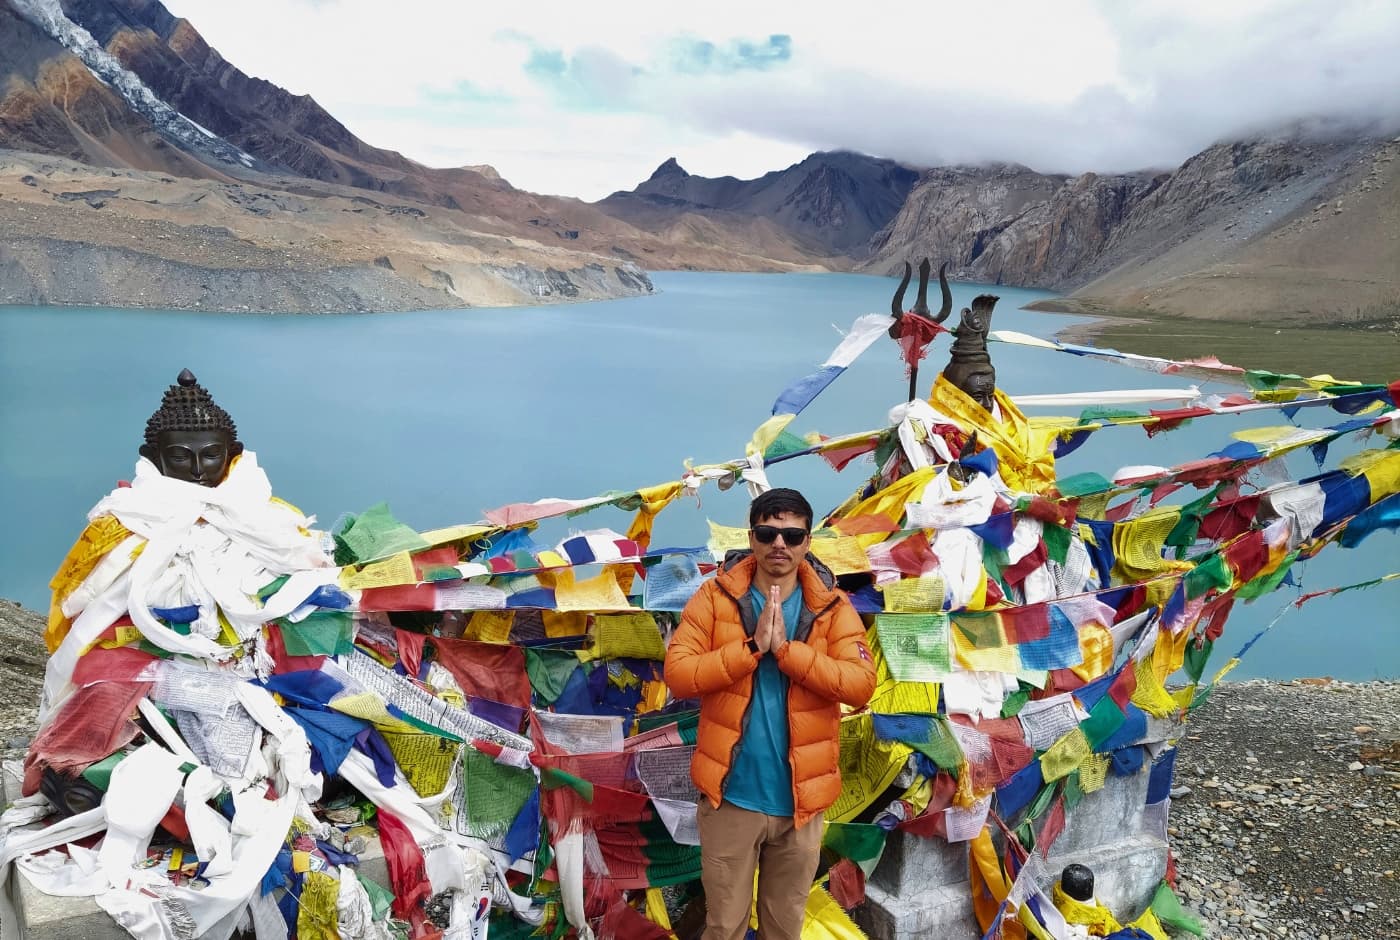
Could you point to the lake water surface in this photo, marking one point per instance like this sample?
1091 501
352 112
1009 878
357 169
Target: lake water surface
444 414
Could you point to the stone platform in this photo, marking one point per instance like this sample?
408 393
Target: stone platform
920 887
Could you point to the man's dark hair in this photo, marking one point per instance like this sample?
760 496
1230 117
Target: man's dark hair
780 500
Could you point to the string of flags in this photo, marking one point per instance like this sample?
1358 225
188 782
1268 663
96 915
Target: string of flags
259 704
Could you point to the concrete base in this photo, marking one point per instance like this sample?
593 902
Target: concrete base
945 911
1126 873
920 887
46 917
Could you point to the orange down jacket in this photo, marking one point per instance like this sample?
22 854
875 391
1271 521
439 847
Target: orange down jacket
826 662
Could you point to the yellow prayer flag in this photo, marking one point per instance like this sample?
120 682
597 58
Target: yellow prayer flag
1137 544
914 595
633 635
426 759
654 499
490 626
656 909
1096 646
370 707
1150 695
597 593
824 919
1093 772
549 558
1065 755
396 569
844 555
318 918
1381 468
456 533
724 538
766 433
560 623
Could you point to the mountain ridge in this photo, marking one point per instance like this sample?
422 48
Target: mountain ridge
1293 225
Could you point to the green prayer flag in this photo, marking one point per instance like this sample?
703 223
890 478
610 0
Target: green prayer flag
915 646
549 671
1104 719
1011 706
939 745
1082 484
862 843
1196 658
494 793
1183 534
1041 802
380 897
1267 583
1073 791
1057 539
1169 911
1208 574
372 535
324 633
982 629
785 443
1097 413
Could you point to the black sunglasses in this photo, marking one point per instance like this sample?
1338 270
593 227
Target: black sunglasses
766 534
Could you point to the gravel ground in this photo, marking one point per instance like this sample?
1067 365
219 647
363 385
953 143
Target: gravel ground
1292 823
1286 821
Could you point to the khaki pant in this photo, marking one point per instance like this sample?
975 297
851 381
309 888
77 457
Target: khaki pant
733 843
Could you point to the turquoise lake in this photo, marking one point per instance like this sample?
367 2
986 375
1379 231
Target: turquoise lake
444 414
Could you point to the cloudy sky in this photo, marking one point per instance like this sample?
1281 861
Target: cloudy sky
583 98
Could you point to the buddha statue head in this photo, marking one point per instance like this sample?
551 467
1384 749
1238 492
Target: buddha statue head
970 368
189 437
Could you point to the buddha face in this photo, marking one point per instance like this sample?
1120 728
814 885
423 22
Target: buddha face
981 388
200 457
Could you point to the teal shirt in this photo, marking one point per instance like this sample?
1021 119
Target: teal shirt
761 776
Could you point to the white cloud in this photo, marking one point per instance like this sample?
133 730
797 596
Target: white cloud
1071 85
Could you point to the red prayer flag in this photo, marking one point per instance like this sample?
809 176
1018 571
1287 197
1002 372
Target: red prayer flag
846 882
1023 624
1033 559
913 556
1229 519
410 650
408 875
623 923
1054 825
1123 686
486 670
1247 555
400 597
282 661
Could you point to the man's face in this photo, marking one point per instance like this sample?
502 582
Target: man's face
777 559
200 457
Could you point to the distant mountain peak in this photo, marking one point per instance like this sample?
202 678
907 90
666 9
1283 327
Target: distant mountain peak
671 167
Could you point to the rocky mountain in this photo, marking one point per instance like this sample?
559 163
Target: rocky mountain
124 119
1239 230
127 89
828 205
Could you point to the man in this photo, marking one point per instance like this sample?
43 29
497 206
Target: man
772 650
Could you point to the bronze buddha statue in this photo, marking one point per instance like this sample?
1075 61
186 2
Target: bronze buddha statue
190 437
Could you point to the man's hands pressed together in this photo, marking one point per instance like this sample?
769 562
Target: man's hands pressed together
770 636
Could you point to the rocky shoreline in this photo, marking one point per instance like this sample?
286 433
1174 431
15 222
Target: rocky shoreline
1367 347
1285 822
